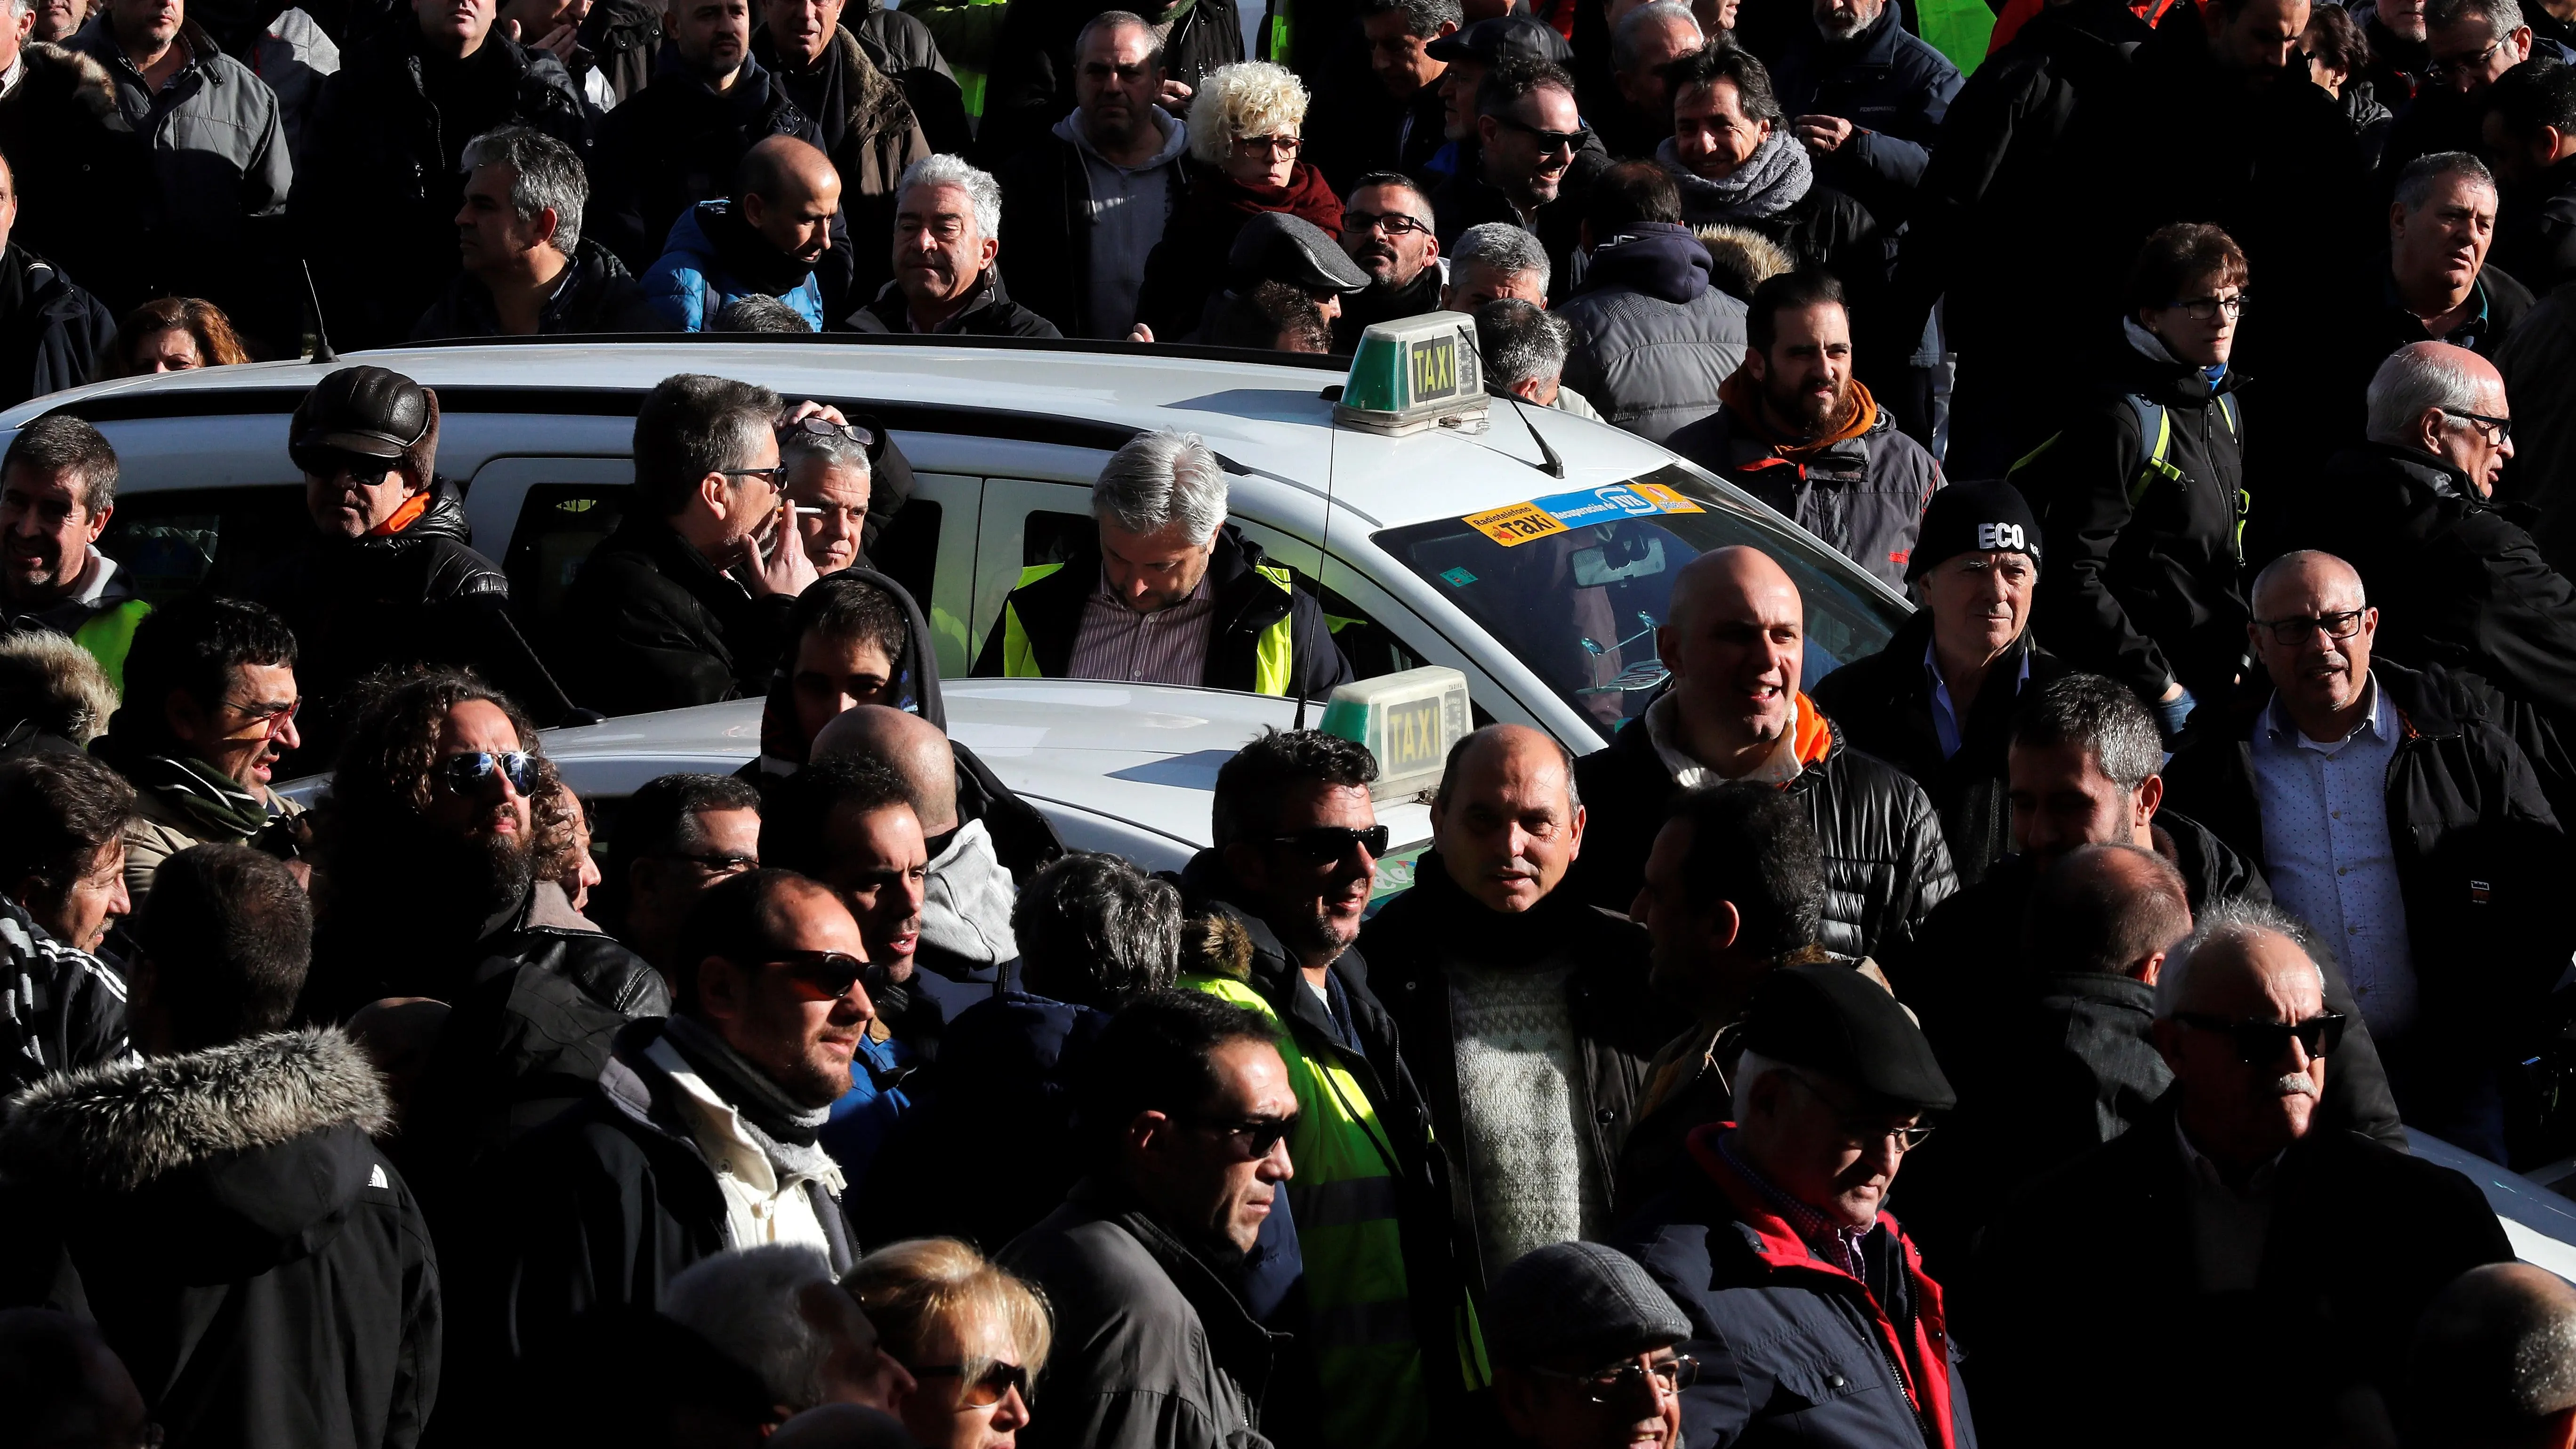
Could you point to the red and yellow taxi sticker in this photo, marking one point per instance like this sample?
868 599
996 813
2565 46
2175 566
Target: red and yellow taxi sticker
1517 524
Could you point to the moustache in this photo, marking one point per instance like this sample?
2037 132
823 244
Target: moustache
2293 1084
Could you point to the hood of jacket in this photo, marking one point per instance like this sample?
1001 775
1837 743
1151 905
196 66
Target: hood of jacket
916 683
55 76
2144 366
1176 139
1657 258
966 906
256 1149
1776 177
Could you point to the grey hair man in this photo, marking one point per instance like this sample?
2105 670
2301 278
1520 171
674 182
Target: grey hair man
758 312
2494 1360
1646 40
947 235
777 1310
1493 260
1169 593
2472 43
661 623
2455 579
2218 1195
527 270
830 483
1524 353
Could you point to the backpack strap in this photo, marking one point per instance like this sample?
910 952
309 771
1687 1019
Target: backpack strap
2155 443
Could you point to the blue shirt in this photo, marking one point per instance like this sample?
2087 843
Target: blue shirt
2327 854
1945 715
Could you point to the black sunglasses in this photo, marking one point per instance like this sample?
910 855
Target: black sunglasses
1254 1138
2495 429
330 463
987 1389
2261 1043
465 774
1327 843
1547 140
820 975
823 427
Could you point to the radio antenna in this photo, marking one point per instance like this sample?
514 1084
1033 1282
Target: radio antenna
321 339
1323 558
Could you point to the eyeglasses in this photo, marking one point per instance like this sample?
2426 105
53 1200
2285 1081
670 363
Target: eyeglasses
2458 64
1282 144
777 476
1253 1137
2261 1043
464 774
1610 1385
1548 141
1328 843
719 864
2201 309
276 717
822 427
820 975
1861 1133
2495 430
2341 625
1393 223
987 1388
330 463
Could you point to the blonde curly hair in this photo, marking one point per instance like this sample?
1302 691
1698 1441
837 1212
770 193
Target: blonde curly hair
1253 98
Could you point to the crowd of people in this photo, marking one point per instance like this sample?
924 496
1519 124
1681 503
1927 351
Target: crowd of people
2195 840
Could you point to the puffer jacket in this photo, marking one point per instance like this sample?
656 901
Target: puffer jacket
2457 580
2144 578
1885 864
53 333
422 595
1414 945
714 259
1794 1350
386 145
2481 858
1653 341
599 296
870 132
259 1265
1883 704
1893 87
60 1008
1154 1350
1864 495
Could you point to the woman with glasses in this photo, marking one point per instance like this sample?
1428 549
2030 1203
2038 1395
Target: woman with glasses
973 1336
1246 134
2141 497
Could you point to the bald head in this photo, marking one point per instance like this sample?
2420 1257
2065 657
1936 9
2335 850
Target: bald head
788 192
2496 1352
2308 572
2431 396
2312 631
1506 820
2109 910
911 746
1734 641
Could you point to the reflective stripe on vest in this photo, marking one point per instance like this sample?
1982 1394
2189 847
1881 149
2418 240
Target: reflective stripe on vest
109 635
1361 1305
1019 660
1273 654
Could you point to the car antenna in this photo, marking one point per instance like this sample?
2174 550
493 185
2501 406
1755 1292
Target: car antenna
1550 464
321 340
1323 556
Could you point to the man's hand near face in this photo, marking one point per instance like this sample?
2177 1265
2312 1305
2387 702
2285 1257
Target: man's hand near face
1823 135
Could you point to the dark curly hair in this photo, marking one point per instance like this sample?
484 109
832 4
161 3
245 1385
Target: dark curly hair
382 785
1249 786
1096 931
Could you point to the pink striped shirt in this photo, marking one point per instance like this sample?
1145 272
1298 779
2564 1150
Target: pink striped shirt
1168 646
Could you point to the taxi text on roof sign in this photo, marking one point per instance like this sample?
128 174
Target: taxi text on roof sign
1557 512
1414 374
1408 721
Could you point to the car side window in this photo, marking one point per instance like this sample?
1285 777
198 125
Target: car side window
231 541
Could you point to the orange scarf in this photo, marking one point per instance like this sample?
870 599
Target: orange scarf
1743 395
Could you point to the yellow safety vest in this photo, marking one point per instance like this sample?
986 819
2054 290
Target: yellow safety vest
1273 654
109 637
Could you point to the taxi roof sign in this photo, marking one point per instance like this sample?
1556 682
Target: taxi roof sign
1407 720
1414 374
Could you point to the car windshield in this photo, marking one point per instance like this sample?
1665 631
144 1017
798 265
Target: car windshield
1573 585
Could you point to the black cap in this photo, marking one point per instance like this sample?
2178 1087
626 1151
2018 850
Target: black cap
1990 517
1505 37
1583 1300
369 411
1831 1019
1276 247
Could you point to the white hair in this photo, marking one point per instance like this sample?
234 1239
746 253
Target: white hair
1750 1069
2230 924
1160 479
983 193
2412 380
1502 246
1248 98
1630 37
744 1303
837 451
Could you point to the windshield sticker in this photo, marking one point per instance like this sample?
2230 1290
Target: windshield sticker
1515 525
1664 499
1458 578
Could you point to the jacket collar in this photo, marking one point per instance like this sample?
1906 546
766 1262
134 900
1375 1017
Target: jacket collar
2418 473
895 310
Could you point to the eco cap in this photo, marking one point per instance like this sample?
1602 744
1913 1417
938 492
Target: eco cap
1585 1300
1831 1019
1990 517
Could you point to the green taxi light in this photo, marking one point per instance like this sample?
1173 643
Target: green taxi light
1407 721
1414 374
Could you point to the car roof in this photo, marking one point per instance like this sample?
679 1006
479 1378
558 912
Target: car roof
1263 417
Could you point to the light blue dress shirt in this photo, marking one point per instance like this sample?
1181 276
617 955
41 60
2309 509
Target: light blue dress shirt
1946 724
2327 853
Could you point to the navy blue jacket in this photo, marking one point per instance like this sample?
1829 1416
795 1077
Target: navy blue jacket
1892 86
1792 1349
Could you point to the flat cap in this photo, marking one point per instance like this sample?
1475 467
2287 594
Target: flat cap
1830 1018
1276 247
1987 517
1582 1300
370 411
1502 38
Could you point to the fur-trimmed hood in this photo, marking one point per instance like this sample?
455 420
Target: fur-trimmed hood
130 1125
1741 258
56 75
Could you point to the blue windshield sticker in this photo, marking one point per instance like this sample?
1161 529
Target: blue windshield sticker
1596 505
1458 578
